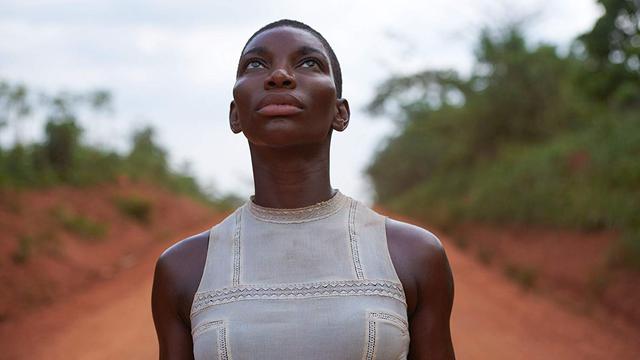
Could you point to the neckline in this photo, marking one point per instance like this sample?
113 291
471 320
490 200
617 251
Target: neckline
309 213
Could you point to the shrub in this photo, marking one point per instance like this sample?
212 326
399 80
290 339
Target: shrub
24 251
524 276
135 207
87 228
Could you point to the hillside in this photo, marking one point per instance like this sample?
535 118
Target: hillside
64 240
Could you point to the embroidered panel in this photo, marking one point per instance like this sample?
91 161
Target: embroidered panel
297 291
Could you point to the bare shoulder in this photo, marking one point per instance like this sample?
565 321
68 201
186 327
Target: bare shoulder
420 261
418 239
178 272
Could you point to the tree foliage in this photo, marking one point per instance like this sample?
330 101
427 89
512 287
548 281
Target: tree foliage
63 157
612 51
529 136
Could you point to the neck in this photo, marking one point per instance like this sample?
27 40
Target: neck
291 177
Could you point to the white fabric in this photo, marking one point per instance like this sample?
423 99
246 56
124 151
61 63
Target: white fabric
309 283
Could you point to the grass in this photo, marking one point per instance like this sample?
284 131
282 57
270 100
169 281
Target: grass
88 229
597 283
485 255
524 276
25 249
461 242
135 207
29 244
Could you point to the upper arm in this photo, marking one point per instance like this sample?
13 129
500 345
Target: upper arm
175 282
174 337
429 325
423 268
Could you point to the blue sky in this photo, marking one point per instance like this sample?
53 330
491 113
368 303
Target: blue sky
171 64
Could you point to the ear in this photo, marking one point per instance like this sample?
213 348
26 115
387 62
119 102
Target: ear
234 121
341 118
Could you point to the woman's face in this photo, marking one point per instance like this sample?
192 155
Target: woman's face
284 92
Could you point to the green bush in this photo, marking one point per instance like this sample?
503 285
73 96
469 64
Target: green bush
88 229
524 276
135 207
24 251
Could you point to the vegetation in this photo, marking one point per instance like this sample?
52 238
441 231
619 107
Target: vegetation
531 136
42 241
88 229
62 157
524 276
135 207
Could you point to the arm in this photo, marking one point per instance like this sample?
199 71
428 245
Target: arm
423 269
174 336
176 279
429 325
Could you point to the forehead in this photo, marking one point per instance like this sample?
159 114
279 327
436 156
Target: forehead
284 37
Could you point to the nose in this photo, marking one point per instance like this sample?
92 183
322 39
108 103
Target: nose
279 78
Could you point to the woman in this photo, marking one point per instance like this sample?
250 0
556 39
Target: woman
301 271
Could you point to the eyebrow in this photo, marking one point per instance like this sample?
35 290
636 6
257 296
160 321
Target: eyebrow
303 50
257 49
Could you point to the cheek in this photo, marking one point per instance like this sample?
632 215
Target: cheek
242 99
324 99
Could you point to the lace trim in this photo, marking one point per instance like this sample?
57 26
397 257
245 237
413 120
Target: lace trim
236 249
206 326
396 320
223 348
353 240
314 212
371 340
210 298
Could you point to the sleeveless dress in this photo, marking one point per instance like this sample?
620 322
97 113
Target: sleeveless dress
307 283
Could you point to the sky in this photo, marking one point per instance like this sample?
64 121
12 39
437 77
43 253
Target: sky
172 64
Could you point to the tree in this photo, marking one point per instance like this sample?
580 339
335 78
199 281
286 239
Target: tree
62 130
612 48
146 158
14 106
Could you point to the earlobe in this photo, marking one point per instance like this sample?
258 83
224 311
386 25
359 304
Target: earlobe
234 120
341 119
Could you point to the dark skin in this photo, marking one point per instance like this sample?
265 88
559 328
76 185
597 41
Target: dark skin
290 158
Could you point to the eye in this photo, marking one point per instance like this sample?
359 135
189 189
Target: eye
255 64
309 63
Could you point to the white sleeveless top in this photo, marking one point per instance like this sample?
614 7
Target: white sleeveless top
308 283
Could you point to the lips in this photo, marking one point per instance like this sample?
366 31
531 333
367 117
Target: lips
279 105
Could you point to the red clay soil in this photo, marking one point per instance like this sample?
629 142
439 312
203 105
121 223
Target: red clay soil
493 318
577 269
57 261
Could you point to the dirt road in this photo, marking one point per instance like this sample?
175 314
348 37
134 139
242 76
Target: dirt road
492 319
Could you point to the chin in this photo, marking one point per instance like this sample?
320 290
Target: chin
284 139
286 132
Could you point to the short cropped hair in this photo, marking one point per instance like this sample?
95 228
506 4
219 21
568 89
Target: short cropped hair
335 65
